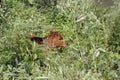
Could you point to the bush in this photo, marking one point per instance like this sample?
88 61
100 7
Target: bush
92 34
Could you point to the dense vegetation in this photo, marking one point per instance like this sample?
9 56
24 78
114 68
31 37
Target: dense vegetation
92 34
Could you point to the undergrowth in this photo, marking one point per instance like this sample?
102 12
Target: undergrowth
92 34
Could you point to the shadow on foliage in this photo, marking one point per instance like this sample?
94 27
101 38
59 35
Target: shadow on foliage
114 41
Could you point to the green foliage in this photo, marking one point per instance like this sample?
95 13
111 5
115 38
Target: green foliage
114 41
92 34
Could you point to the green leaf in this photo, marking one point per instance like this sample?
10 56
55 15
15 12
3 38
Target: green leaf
31 1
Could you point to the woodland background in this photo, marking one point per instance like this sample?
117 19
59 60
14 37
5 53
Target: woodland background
91 30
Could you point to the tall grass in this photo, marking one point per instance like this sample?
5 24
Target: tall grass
92 34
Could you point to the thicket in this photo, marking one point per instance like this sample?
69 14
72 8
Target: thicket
92 34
